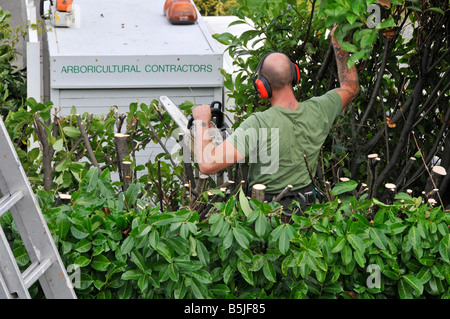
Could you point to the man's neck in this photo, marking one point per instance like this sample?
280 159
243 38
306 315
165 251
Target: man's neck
285 99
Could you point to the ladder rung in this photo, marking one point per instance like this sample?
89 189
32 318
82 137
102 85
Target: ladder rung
36 270
8 201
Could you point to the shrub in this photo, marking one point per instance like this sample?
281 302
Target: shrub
125 248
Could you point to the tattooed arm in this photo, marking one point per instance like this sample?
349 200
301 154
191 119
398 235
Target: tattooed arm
348 79
211 158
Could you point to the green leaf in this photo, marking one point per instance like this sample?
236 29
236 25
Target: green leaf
91 179
424 274
333 288
360 259
202 253
219 289
127 245
351 17
286 234
436 10
245 272
415 283
132 274
240 237
58 145
202 276
143 282
197 288
339 244
404 290
153 239
138 260
78 233
82 261
261 225
228 239
414 237
346 255
244 203
378 237
269 271
71 131
388 23
356 243
174 273
106 189
344 187
100 263
444 248
83 246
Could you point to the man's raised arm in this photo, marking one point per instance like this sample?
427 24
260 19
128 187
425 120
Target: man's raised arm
348 78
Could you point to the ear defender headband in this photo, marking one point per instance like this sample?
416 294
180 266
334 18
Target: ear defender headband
262 85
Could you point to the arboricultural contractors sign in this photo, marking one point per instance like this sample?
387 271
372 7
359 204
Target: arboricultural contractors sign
84 72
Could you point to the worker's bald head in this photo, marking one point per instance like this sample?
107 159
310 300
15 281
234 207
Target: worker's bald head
277 69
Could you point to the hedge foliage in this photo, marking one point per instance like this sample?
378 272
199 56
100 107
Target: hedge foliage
115 245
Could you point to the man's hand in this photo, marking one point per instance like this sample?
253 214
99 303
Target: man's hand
202 113
210 158
334 42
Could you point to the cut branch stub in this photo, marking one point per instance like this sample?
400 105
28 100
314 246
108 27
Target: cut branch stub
283 193
127 174
121 141
258 192
434 181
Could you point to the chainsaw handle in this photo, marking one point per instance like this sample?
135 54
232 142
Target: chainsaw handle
215 112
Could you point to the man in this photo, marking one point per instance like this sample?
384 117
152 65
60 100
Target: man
288 130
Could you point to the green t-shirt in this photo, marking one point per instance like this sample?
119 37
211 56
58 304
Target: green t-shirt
274 141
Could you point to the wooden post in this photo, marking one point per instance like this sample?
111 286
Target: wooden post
391 191
330 196
258 192
372 163
63 199
434 181
121 141
127 174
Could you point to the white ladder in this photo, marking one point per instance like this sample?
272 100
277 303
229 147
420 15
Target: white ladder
17 197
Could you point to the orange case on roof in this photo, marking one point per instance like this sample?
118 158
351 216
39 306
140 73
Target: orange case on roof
168 3
182 12
64 5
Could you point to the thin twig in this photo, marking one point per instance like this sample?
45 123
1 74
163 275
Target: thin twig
87 143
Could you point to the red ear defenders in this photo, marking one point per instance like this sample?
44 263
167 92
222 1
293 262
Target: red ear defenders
262 85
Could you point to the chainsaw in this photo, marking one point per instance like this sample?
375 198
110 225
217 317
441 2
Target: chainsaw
219 130
61 14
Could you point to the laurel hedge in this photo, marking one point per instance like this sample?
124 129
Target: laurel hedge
115 245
